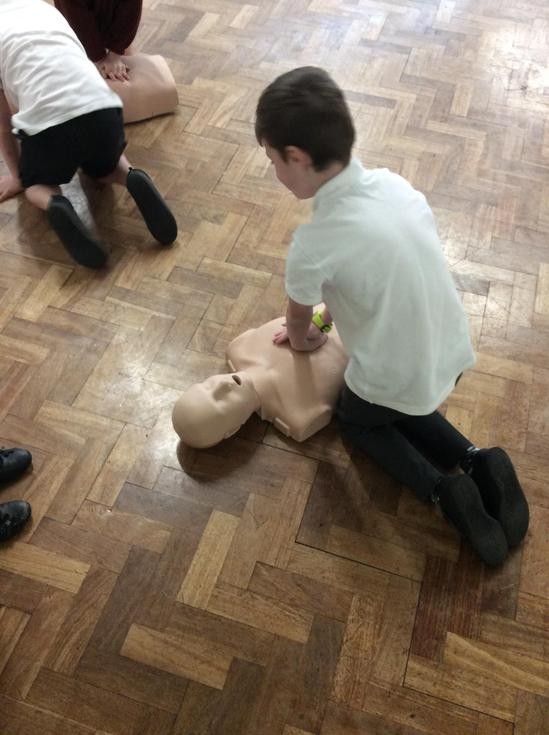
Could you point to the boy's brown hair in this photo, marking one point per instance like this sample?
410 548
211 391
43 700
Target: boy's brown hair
305 108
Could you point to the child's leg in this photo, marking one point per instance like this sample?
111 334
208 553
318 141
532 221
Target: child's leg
40 195
434 434
47 160
491 469
119 175
106 162
374 430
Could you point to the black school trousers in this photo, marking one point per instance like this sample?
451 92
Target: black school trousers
415 450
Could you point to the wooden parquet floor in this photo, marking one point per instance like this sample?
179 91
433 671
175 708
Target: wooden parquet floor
265 587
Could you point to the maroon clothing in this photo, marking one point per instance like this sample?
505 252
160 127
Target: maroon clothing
102 25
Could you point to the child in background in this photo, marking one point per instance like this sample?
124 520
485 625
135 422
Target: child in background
67 118
106 29
372 254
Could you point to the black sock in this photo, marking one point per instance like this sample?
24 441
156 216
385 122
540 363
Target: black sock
435 495
466 463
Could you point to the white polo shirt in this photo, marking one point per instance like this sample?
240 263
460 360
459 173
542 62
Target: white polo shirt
44 70
372 254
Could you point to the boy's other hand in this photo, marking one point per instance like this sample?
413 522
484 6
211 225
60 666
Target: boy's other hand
112 66
9 187
281 336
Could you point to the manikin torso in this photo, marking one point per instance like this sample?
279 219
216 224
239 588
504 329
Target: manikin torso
297 390
150 90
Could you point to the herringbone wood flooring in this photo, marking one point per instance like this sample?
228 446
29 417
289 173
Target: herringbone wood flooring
270 588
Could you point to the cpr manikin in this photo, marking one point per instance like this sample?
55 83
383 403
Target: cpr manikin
150 89
296 391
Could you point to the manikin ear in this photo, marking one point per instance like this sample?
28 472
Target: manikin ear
298 155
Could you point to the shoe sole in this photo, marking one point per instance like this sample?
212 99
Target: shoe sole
481 531
72 232
156 213
496 467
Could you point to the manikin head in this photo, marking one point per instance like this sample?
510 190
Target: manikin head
304 124
213 410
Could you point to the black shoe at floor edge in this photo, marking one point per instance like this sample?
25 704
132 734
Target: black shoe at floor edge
494 474
74 235
13 462
461 503
156 213
13 516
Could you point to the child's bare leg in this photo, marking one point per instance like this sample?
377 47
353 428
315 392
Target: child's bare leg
41 194
120 173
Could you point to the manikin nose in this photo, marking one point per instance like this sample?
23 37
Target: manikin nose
237 379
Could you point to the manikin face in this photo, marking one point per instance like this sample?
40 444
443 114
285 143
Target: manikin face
214 410
295 172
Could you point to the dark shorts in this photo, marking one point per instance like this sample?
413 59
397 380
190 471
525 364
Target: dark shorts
92 142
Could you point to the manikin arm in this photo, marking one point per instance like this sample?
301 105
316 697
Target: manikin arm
10 185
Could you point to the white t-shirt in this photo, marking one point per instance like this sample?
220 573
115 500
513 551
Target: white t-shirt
44 70
372 254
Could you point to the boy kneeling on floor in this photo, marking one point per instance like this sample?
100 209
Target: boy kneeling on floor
372 255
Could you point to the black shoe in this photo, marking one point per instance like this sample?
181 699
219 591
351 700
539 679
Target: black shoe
155 211
461 503
502 495
13 462
13 516
73 233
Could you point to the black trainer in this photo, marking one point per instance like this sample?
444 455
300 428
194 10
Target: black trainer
73 233
13 462
461 503
156 213
13 516
502 495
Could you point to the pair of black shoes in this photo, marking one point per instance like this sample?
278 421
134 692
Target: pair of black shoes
15 513
79 241
487 504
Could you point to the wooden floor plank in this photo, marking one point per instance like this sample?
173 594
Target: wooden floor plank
184 656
